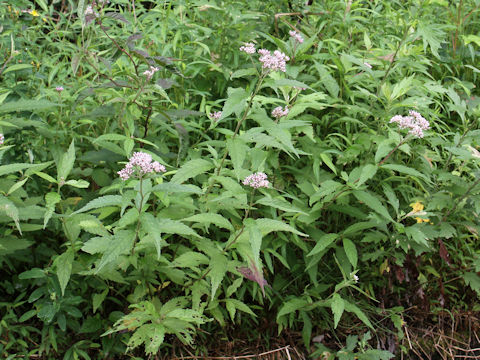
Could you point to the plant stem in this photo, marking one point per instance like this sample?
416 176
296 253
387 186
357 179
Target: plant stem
139 213
392 151
237 129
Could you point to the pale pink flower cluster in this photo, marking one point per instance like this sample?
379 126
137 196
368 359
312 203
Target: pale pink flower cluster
275 62
278 112
59 88
367 65
90 11
415 122
256 180
149 73
216 115
2 139
249 48
141 162
296 36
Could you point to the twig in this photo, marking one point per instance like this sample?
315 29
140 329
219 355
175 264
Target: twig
285 348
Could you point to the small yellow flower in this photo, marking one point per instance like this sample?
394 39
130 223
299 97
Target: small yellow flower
420 220
34 13
418 206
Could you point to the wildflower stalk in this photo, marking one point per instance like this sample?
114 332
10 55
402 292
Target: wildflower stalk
392 151
239 124
137 230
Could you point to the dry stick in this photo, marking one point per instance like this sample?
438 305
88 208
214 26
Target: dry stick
285 348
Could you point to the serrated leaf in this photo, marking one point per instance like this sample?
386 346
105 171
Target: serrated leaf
368 172
237 150
218 269
233 304
101 202
280 203
322 243
27 105
291 306
177 188
266 226
169 226
51 199
11 168
191 169
120 243
97 299
372 202
11 211
404 170
235 103
211 218
337 305
351 251
65 164
360 314
190 259
63 265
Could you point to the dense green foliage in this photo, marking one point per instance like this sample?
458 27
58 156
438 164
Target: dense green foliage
360 221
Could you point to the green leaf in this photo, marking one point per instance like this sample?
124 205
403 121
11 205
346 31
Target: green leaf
190 259
415 234
218 269
8 169
255 236
323 242
291 306
237 149
26 105
337 305
51 199
17 67
473 280
11 211
120 243
404 170
101 202
65 164
81 184
34 273
97 299
327 80
368 172
236 102
149 223
63 265
360 314
233 304
266 226
169 226
191 169
280 203
351 251
372 202
177 188
211 218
